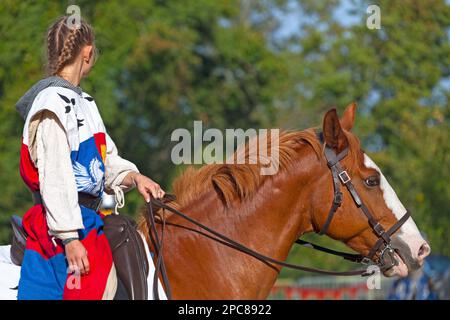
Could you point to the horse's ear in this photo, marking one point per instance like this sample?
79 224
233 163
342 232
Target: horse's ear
348 119
332 132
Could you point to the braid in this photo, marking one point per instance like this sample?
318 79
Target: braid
67 52
53 45
64 43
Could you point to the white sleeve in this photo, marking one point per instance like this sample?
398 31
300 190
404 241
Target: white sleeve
116 168
56 179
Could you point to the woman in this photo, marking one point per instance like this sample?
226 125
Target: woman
68 160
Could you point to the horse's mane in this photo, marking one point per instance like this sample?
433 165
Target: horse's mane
239 181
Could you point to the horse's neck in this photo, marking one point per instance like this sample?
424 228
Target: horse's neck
268 223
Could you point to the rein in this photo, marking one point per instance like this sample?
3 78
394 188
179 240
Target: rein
340 176
160 267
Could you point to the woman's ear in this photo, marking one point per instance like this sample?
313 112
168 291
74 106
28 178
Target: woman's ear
87 53
348 119
332 132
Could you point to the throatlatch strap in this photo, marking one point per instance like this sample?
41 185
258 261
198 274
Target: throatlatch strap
333 163
337 201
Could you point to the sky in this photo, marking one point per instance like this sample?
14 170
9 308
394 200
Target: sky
291 21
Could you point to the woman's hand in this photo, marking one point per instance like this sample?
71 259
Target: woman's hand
76 255
147 187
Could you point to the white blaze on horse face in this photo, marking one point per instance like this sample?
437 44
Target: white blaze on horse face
408 232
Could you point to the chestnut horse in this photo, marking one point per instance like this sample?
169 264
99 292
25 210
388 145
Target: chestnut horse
268 213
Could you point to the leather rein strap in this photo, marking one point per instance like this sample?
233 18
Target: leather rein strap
160 268
158 244
236 245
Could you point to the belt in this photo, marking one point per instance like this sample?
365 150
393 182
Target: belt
84 199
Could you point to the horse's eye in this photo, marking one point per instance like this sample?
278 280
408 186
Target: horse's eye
372 181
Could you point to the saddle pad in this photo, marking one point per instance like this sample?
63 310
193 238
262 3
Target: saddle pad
9 275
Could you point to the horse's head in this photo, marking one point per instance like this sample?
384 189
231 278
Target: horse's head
349 223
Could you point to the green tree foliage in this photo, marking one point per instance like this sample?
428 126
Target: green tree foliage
399 75
164 64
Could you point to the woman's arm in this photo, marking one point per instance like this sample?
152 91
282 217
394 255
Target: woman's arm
123 173
118 171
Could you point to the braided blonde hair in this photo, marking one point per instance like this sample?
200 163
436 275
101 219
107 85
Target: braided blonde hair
64 43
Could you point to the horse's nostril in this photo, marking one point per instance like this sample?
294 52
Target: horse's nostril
424 251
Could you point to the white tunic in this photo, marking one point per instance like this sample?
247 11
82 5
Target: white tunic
50 152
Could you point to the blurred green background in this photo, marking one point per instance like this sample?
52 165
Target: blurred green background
251 63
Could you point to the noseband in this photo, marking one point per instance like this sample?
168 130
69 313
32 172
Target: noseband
382 248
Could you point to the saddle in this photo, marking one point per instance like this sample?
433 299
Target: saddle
127 248
129 256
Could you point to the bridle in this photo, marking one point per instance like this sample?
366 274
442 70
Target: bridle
381 249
